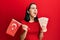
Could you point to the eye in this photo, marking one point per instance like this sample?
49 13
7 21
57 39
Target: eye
33 8
36 8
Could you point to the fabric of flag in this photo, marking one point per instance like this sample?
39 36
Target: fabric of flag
13 27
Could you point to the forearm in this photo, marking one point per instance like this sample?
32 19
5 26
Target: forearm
41 36
23 36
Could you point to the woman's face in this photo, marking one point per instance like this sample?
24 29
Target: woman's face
33 10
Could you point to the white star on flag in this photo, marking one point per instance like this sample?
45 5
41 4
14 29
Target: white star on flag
13 27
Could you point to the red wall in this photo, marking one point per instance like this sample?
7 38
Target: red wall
16 9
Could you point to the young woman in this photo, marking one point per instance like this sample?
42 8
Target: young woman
30 25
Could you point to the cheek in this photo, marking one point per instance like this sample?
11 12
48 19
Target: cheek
36 11
31 11
33 15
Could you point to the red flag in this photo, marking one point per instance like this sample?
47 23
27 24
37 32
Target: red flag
13 27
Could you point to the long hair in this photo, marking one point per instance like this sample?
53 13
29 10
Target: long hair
27 17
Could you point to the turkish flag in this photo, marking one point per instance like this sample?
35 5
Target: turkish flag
13 27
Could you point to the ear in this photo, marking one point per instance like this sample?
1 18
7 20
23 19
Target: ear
27 11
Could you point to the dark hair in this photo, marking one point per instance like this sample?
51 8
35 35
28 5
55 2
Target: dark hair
27 18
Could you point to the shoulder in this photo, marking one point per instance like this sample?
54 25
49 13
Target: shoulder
23 21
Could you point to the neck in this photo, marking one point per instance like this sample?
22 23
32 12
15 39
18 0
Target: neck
31 19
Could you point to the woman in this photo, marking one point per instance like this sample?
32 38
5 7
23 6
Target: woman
30 25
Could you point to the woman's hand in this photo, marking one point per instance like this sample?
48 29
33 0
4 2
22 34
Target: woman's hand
44 29
25 27
23 35
43 21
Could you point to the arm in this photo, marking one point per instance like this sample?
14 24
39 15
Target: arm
43 23
41 35
23 35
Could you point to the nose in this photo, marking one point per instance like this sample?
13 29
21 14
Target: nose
35 9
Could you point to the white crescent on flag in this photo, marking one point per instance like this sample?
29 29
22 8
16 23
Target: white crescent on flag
13 27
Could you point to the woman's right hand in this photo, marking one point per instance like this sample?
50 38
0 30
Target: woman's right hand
25 27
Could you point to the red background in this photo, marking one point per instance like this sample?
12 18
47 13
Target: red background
16 9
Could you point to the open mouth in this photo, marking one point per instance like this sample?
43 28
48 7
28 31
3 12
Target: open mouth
34 12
